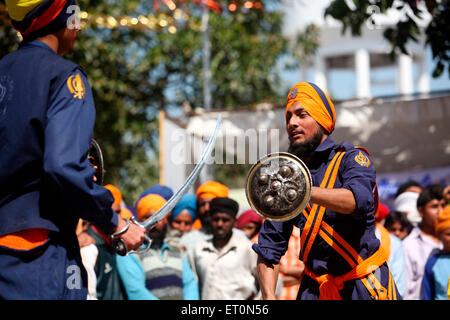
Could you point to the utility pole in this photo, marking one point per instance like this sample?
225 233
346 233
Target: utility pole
206 50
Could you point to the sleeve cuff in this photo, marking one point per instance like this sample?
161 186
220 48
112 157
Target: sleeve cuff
272 256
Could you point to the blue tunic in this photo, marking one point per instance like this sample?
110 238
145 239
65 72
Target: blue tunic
436 278
47 119
358 228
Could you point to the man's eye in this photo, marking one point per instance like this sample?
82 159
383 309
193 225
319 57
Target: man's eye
303 115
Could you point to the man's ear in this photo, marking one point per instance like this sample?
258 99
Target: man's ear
420 210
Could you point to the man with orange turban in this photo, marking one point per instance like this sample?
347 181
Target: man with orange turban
342 256
162 272
205 193
47 116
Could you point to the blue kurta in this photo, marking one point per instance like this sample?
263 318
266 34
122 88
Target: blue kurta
47 119
358 228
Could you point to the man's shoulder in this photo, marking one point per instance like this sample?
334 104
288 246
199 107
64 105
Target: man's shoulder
357 156
192 235
350 148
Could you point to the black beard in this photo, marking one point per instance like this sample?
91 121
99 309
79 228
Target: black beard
306 148
158 240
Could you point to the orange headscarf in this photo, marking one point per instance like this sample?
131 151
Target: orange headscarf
211 190
443 220
115 193
125 213
152 202
315 102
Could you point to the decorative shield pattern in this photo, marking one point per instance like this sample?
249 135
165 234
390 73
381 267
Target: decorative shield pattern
278 186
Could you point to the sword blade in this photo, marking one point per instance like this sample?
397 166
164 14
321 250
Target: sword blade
169 205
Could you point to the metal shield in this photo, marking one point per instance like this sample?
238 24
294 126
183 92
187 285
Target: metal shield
278 186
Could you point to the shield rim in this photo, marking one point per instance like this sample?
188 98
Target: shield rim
294 213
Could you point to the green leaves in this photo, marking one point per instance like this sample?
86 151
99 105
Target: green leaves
437 33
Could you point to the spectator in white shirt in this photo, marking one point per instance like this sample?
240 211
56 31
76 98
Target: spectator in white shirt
422 240
226 264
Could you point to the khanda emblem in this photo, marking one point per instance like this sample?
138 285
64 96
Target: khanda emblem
362 159
76 86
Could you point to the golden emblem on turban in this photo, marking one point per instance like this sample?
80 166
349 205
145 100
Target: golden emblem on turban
294 93
76 86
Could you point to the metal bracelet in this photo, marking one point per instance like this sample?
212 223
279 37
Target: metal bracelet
124 229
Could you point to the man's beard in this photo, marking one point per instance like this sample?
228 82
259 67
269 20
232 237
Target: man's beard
158 239
306 149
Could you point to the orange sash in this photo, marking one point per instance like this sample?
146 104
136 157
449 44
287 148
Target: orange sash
25 239
361 269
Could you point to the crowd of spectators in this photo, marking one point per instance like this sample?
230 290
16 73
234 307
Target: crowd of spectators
203 249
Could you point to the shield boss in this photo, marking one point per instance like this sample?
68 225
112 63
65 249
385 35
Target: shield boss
278 186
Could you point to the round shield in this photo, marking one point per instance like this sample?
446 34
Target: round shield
278 186
95 157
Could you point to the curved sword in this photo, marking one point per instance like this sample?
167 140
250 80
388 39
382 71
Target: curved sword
169 205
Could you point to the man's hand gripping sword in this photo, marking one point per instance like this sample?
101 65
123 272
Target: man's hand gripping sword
148 224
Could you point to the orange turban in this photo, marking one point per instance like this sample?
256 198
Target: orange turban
152 202
211 190
125 213
315 102
115 193
443 220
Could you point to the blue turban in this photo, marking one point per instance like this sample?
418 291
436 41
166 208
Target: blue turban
188 202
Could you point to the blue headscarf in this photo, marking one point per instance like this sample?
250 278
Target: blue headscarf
158 189
188 202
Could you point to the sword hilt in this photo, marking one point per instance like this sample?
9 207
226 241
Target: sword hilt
121 248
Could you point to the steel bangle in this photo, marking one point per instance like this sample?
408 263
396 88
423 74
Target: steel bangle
124 229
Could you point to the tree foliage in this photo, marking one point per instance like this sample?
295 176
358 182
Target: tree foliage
437 32
136 72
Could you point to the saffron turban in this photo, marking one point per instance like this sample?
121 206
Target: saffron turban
211 190
188 202
443 220
151 202
315 102
125 213
117 195
36 18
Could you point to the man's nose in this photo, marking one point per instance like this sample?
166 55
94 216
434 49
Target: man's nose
292 122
